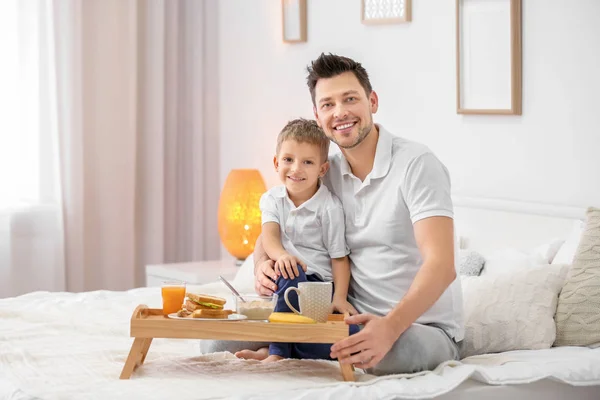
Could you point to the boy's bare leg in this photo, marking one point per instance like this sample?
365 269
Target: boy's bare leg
260 354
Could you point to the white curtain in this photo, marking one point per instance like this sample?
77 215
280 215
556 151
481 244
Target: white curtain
122 146
31 229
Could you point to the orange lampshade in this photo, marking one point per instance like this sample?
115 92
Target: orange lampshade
239 214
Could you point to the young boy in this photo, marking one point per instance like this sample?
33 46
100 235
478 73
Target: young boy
303 223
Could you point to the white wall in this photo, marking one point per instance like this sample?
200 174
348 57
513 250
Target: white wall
550 154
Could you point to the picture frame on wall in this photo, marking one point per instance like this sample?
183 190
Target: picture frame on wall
373 12
293 18
488 57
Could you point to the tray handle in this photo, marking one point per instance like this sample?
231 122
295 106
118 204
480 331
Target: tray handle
141 311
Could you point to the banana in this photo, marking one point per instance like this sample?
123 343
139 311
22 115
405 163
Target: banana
290 318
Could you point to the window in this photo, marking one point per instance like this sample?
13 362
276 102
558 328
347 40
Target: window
26 151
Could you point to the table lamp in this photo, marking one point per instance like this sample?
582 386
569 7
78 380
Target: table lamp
239 214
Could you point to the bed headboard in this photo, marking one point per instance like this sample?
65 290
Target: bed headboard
487 225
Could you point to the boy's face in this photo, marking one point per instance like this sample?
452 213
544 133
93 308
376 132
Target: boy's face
299 166
343 110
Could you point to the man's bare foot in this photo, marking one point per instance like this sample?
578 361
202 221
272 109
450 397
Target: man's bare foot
259 354
272 358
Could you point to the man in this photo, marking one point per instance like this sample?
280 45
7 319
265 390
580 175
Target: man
399 227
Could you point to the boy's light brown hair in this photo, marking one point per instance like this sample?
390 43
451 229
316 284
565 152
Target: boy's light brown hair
304 131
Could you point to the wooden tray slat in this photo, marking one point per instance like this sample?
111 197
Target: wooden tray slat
150 323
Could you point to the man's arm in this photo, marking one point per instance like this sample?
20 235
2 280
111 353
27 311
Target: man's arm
435 239
426 189
264 273
260 255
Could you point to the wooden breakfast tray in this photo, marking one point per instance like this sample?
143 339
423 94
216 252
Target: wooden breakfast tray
149 323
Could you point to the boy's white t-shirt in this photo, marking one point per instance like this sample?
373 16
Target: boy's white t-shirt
314 232
407 184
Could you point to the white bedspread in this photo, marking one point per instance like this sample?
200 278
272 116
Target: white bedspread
73 346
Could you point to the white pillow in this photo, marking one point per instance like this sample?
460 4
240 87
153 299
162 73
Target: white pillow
511 260
244 279
511 311
549 250
566 253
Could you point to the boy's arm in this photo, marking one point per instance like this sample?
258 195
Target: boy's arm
341 280
341 277
334 238
271 240
285 263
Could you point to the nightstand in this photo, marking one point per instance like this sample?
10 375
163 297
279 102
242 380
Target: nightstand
193 273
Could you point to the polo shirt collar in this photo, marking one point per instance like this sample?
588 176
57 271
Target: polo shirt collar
311 204
344 166
280 192
383 156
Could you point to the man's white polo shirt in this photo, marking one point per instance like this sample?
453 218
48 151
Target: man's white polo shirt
407 184
313 232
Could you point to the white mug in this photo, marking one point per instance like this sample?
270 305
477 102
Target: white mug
314 299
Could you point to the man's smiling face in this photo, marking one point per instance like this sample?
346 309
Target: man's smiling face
343 110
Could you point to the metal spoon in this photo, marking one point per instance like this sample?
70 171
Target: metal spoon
235 292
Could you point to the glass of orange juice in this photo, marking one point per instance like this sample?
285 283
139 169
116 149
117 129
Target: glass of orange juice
173 294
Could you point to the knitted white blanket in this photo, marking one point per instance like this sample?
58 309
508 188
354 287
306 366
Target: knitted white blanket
73 346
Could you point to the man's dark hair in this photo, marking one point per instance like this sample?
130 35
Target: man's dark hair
330 65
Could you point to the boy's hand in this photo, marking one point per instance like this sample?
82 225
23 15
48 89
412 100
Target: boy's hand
287 266
342 305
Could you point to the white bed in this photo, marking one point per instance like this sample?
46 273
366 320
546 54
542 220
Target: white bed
65 345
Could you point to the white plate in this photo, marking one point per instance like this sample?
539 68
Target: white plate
231 317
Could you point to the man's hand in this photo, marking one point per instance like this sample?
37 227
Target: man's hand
368 346
342 305
287 266
264 278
